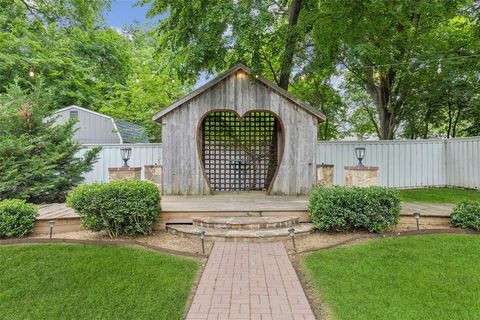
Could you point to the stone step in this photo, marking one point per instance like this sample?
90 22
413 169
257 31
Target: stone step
213 234
245 223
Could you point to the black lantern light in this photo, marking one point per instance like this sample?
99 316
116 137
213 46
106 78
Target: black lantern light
416 215
360 154
291 233
126 153
202 239
51 224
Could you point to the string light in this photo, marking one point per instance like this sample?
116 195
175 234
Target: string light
377 74
31 73
424 61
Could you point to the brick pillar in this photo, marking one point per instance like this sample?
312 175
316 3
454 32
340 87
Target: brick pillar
360 176
129 173
154 173
325 175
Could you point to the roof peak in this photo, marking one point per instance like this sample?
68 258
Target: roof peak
307 107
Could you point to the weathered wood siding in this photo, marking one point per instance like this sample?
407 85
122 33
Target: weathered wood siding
183 174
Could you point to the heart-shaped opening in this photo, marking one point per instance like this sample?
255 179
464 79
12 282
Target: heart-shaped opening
240 153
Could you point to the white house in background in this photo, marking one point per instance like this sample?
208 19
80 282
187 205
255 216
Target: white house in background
97 128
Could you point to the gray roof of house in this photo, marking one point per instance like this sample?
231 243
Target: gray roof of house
131 132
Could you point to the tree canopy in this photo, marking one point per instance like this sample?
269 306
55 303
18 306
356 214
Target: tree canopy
387 53
67 46
387 69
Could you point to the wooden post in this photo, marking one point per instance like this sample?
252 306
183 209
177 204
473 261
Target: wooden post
154 173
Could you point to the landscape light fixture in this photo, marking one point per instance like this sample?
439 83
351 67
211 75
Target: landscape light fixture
126 153
291 233
416 215
51 224
202 238
360 154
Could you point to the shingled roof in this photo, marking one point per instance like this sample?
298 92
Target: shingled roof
131 132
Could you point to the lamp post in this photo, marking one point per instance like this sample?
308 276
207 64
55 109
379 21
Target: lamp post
291 232
202 238
51 224
125 153
360 154
416 215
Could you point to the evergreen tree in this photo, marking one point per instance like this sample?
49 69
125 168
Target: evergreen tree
38 159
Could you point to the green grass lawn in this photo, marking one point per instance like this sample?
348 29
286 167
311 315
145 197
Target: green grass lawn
438 195
71 281
421 277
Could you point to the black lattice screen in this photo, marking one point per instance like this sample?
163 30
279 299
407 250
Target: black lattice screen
240 155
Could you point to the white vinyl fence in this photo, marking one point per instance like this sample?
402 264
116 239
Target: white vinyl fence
402 163
410 163
463 163
109 156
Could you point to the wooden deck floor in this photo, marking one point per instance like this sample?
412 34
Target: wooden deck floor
55 211
256 202
239 203
181 209
427 209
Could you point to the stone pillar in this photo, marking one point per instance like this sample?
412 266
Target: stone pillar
154 173
361 176
129 173
325 175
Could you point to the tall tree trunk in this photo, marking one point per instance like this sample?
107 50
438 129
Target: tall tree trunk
450 120
455 123
425 132
290 44
380 93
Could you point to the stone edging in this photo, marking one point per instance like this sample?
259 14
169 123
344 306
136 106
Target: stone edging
103 242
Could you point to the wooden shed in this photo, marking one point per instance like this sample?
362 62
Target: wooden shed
239 132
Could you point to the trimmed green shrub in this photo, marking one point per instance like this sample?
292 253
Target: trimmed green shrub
16 218
126 207
374 209
466 215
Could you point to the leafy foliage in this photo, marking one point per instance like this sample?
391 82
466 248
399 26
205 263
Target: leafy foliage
39 160
148 87
16 218
125 207
392 50
408 69
66 45
374 209
466 215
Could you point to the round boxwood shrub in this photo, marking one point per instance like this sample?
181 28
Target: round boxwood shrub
466 215
374 209
16 218
127 207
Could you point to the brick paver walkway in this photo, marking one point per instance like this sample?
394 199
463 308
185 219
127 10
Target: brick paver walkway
249 281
